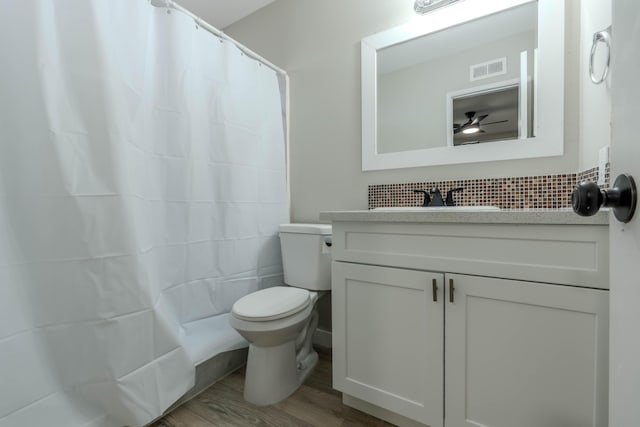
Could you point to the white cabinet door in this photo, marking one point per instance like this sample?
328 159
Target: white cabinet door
388 338
525 354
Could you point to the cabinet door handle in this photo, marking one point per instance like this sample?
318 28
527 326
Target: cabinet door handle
434 289
451 290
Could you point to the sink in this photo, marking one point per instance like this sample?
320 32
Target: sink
439 209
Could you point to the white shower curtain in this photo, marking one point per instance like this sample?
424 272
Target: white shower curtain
142 181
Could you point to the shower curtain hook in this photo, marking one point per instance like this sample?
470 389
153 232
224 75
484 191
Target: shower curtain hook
161 3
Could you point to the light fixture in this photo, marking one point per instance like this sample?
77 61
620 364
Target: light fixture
471 129
424 6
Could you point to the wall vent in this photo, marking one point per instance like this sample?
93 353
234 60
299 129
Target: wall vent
495 67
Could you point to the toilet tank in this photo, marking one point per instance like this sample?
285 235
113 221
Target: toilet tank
306 255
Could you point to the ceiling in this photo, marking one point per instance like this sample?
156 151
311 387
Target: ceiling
221 13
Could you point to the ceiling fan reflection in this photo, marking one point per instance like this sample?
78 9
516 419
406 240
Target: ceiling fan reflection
472 125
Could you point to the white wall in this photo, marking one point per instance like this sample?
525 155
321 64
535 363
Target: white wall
318 43
595 102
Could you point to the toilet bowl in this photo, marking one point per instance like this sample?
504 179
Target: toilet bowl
279 322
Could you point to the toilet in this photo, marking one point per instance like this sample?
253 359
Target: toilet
279 322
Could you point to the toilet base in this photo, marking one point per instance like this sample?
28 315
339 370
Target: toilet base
272 374
305 369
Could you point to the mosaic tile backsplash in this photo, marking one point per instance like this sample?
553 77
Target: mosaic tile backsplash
527 192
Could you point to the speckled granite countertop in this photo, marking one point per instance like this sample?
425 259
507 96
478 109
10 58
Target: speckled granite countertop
514 216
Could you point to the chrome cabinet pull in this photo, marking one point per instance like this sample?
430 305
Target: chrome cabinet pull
603 36
434 289
451 290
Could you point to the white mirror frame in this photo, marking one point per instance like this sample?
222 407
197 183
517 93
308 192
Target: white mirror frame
549 89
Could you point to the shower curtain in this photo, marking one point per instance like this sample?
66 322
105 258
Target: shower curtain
142 181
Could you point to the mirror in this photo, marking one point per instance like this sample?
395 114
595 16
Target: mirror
475 81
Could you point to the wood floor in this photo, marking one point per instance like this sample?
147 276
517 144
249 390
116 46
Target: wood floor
316 403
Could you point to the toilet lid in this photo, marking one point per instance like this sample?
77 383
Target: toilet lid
271 304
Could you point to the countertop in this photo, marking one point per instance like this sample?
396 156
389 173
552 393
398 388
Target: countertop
510 216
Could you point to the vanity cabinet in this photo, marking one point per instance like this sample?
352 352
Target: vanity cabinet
392 338
472 324
525 354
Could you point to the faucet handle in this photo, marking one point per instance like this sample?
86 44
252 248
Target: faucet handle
449 201
427 197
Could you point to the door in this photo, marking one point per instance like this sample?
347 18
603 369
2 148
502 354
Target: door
625 238
525 354
388 338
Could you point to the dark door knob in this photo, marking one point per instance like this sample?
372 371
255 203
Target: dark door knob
587 198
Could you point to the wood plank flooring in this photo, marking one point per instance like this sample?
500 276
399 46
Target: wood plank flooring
316 403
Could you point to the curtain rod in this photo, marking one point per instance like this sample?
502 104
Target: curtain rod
204 24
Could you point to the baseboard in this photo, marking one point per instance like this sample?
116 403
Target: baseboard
213 370
378 412
322 338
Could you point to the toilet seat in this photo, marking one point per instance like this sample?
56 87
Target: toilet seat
271 304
